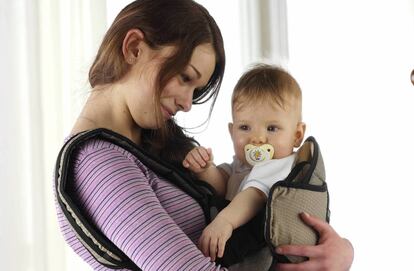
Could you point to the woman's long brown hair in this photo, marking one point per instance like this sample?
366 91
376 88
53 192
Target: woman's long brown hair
182 23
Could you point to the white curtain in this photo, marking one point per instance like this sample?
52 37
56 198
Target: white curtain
264 31
46 49
353 60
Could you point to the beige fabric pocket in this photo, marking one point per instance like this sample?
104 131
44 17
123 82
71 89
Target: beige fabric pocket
304 190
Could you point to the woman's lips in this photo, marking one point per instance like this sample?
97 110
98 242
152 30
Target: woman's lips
166 112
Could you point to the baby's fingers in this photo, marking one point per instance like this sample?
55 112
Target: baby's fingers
204 245
198 157
213 249
221 245
190 161
193 161
205 154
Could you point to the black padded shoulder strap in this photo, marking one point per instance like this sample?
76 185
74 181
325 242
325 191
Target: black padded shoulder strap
97 244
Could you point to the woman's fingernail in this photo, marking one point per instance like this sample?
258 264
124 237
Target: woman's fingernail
279 250
305 214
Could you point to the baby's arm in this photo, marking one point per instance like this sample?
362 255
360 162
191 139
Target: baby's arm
241 209
200 161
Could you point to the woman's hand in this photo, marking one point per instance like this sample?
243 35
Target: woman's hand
332 253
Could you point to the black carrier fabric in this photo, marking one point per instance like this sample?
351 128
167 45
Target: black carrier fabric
244 240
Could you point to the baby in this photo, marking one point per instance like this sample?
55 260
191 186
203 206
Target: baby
267 126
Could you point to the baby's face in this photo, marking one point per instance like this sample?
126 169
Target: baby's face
264 123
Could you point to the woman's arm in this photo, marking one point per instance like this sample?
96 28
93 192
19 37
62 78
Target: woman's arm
147 218
332 253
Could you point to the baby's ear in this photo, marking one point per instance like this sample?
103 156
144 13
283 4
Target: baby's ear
230 126
300 133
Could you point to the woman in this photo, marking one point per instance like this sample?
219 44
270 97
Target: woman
158 57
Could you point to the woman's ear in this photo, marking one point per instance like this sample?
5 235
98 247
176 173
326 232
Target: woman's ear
300 133
131 45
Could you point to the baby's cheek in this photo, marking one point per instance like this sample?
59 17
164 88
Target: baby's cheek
282 152
239 152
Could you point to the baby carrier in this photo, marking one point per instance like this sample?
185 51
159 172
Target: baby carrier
303 190
306 182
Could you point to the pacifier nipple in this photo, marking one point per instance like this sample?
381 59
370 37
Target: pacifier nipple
256 154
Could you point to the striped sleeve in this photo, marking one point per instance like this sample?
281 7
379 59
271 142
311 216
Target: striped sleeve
150 220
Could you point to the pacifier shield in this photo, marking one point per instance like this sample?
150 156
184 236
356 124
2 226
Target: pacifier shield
256 154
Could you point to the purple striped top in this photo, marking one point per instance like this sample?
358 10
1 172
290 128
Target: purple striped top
153 222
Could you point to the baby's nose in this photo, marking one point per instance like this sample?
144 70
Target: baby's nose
258 139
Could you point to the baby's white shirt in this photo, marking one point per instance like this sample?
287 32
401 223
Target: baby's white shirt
267 173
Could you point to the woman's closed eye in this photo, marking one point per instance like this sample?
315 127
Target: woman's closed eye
185 78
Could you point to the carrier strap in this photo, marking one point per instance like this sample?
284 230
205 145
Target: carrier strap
104 251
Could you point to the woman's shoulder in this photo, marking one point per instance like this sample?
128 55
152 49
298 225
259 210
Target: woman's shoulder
103 151
91 141
98 150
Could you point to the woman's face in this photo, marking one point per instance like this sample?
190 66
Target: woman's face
177 95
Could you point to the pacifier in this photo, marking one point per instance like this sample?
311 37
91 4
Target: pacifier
256 154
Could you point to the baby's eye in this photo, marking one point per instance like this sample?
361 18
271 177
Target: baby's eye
272 128
244 127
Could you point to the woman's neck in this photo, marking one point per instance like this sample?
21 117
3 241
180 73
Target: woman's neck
105 108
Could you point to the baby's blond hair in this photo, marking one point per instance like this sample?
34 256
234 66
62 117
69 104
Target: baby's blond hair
264 83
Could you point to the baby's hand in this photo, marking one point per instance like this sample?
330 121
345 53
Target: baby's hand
214 237
198 159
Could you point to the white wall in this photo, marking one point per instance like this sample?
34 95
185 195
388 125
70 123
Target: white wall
353 60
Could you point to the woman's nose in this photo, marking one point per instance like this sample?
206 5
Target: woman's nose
185 100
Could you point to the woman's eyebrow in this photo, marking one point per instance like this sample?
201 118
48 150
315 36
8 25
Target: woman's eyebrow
194 68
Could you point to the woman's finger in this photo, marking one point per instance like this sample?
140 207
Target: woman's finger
303 266
299 250
321 226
